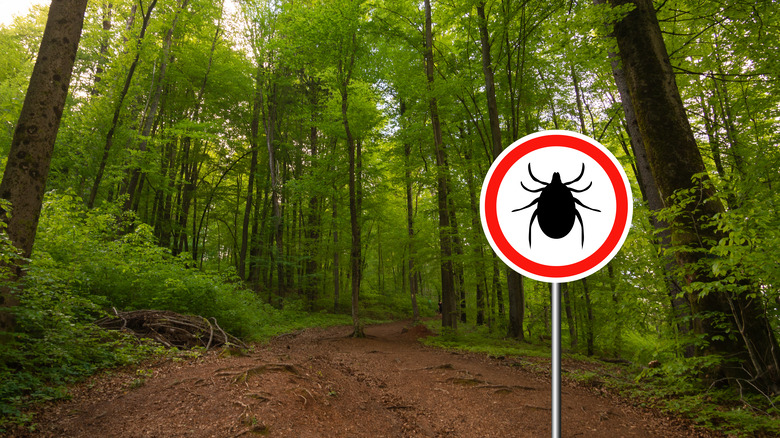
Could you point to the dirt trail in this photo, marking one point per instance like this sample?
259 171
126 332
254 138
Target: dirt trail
321 383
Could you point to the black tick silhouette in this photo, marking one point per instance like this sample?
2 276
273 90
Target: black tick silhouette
556 207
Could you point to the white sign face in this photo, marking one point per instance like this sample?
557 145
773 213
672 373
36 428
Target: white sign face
556 206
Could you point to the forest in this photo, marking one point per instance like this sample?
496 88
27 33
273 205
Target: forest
278 164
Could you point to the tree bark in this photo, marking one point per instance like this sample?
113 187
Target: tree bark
674 160
652 197
29 159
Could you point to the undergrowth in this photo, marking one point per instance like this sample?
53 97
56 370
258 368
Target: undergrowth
85 264
479 339
677 386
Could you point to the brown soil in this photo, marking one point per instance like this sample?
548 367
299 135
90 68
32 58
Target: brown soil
322 383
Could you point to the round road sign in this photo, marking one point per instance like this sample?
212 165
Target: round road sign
556 206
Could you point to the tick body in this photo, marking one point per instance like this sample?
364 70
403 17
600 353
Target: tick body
556 206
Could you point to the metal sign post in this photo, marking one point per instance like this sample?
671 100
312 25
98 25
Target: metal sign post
556 360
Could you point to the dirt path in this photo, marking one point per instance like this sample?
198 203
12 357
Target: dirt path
321 383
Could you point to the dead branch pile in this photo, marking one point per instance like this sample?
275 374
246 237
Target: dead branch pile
170 328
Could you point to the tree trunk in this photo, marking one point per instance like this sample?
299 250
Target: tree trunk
675 159
29 159
514 279
410 224
652 198
269 124
255 132
118 107
457 264
355 259
311 273
479 254
449 308
569 316
104 41
589 332
336 252
190 165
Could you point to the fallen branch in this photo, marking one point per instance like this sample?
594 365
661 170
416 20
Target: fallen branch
170 328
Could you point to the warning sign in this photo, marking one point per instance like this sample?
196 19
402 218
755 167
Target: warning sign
556 206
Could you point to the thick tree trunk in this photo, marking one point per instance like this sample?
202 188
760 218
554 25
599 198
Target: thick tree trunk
449 308
675 159
652 197
27 168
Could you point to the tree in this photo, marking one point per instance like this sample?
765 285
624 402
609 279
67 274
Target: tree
514 280
24 179
118 106
677 165
449 309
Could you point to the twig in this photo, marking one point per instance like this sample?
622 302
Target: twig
211 333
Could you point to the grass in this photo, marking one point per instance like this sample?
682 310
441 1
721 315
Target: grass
674 388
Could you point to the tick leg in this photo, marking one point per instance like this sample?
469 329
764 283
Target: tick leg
532 224
583 205
582 172
582 228
532 203
532 191
536 179
580 191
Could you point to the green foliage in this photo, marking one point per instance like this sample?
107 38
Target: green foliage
680 387
84 265
85 253
677 385
479 339
392 306
55 344
9 254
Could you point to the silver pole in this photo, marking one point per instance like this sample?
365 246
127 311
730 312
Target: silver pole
556 360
